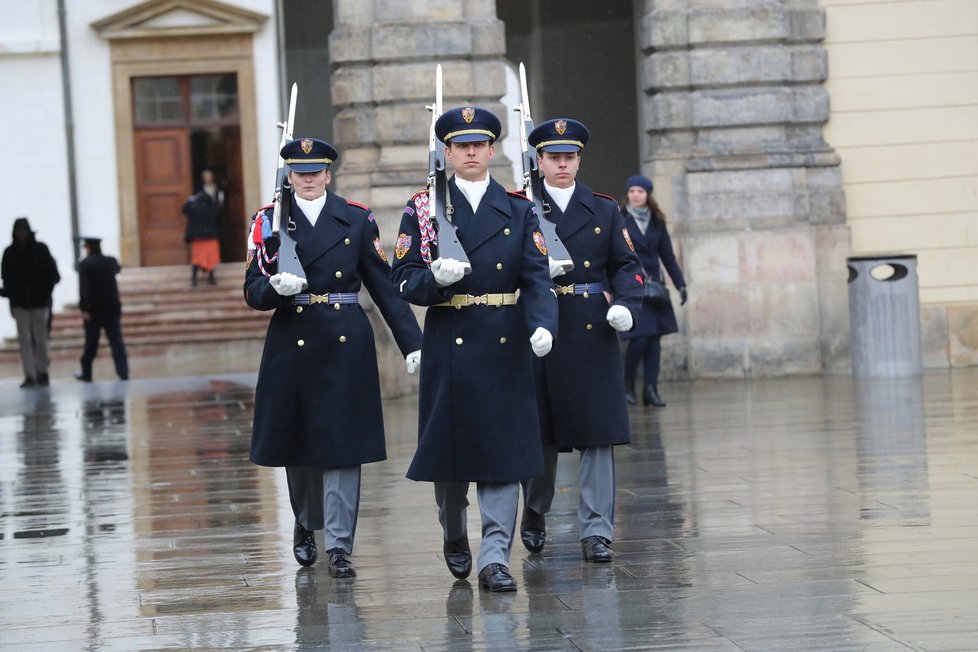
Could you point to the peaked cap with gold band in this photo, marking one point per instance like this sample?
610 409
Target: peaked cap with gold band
467 124
560 135
308 154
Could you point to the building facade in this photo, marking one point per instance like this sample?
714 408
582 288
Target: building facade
782 135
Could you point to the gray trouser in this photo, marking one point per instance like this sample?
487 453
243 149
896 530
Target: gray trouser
498 504
596 509
32 335
327 498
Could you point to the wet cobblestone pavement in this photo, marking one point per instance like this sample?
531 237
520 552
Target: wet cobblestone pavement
804 513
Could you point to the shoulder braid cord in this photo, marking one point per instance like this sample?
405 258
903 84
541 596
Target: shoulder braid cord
259 239
428 233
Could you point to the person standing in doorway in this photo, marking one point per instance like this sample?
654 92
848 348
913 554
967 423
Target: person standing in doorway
478 416
580 393
203 211
101 308
29 275
646 224
317 402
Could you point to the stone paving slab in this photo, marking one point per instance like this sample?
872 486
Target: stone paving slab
817 513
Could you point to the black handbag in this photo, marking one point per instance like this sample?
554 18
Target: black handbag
656 293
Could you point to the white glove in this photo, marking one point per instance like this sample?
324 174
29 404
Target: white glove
620 318
287 284
541 341
556 267
413 361
447 271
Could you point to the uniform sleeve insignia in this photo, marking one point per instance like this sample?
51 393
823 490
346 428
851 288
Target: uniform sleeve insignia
628 239
402 246
380 249
540 242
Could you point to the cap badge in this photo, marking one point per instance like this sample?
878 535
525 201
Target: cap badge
468 114
306 145
560 126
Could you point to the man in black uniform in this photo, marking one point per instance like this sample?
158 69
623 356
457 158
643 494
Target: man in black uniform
580 387
317 403
100 308
477 418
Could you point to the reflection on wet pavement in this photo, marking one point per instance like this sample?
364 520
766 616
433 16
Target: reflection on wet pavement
815 513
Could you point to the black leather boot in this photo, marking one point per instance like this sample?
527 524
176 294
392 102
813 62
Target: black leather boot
630 397
651 396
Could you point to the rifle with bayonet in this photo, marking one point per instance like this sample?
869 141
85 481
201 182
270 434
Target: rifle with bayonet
439 200
533 183
288 260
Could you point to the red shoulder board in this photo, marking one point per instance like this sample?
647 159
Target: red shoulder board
514 193
598 194
357 204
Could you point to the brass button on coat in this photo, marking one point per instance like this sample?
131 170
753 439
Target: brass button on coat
587 263
342 338
590 326
458 340
597 230
336 306
339 275
298 308
301 342
499 265
346 241
502 340
506 231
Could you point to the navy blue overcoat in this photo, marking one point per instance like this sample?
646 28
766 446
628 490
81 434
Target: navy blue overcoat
317 402
477 409
580 389
652 246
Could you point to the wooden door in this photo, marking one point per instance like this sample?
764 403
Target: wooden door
235 226
163 183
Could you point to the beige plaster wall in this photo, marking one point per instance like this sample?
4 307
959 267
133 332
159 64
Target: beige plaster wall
903 83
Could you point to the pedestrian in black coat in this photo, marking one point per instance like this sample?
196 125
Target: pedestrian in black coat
580 392
317 402
29 275
477 416
646 224
101 309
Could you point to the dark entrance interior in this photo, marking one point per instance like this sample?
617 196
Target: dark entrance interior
580 62
184 124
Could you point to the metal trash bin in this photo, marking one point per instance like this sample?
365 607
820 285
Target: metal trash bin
884 316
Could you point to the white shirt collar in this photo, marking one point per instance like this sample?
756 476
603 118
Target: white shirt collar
311 207
473 190
561 196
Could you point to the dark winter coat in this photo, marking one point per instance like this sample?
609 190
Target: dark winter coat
97 287
317 402
29 271
478 416
203 217
652 247
580 387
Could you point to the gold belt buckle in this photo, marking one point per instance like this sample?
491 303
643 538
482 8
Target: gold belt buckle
318 298
480 299
565 289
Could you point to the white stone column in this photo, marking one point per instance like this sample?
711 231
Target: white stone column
734 107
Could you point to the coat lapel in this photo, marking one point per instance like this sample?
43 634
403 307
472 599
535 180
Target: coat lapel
492 216
332 225
580 210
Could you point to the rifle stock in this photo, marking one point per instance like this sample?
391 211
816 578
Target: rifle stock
439 202
288 259
533 183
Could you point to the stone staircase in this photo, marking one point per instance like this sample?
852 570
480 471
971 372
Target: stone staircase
162 314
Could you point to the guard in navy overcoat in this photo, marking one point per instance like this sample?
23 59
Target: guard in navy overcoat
579 385
647 228
477 416
317 402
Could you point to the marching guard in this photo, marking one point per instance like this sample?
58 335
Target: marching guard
317 402
477 418
580 387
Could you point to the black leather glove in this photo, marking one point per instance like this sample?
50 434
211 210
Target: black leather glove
682 296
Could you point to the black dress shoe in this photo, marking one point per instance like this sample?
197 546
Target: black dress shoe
82 377
596 550
458 557
533 530
43 380
304 545
496 578
28 382
651 396
630 397
339 565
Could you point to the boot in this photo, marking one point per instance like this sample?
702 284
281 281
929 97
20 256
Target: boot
210 279
651 396
630 397
193 277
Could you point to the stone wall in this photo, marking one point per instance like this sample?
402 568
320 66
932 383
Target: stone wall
733 112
